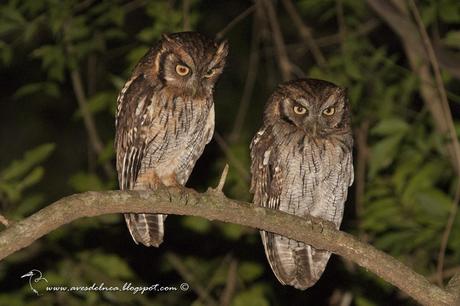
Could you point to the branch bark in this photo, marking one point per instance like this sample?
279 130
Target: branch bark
213 205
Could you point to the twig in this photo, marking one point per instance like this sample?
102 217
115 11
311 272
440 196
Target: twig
250 79
233 159
445 237
133 5
446 274
230 286
452 133
304 32
416 52
347 298
4 221
360 179
235 21
280 48
341 22
209 205
88 120
223 178
185 14
188 276
362 30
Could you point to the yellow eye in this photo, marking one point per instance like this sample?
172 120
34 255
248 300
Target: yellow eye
329 111
182 70
300 110
210 73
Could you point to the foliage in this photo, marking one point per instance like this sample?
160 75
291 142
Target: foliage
409 182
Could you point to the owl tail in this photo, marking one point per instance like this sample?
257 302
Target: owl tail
147 229
294 263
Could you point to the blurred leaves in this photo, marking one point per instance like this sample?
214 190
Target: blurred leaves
24 173
408 181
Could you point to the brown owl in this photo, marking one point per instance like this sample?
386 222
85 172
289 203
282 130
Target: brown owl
302 165
165 117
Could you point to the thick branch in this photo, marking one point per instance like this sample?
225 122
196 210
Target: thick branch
213 205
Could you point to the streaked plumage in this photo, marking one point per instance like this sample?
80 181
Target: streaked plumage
302 164
165 117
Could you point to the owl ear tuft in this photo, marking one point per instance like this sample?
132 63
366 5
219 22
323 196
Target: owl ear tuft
222 49
342 91
166 37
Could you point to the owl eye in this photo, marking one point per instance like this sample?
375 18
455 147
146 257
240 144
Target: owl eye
182 70
210 73
300 110
329 111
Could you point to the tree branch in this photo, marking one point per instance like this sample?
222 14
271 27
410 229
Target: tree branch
215 206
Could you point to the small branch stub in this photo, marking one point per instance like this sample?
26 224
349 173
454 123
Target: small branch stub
223 178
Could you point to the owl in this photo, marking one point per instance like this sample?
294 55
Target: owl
302 165
164 119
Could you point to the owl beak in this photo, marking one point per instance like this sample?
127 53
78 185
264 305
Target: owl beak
314 129
195 86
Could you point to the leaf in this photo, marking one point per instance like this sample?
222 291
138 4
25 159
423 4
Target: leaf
363 301
390 126
33 177
254 296
452 39
44 88
425 177
434 203
232 231
107 153
111 265
86 181
99 102
31 158
196 224
449 11
383 154
53 60
250 271
6 53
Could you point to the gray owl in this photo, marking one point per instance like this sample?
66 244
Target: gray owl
165 117
302 165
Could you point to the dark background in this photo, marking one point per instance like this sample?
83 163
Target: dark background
405 177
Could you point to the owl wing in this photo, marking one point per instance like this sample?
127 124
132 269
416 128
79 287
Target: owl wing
131 143
266 172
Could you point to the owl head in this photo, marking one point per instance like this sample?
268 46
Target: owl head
315 107
189 63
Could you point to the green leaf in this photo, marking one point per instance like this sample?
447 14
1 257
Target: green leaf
250 271
6 53
44 88
196 224
232 231
107 153
362 301
86 181
390 126
383 154
99 102
110 264
452 39
31 158
53 60
434 202
254 296
449 11
32 178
